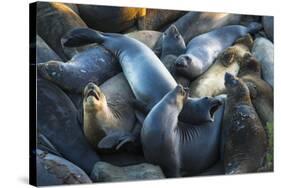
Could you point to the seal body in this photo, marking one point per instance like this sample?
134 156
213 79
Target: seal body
137 61
193 24
53 21
43 52
268 25
109 18
260 91
173 43
176 146
55 170
211 83
108 115
263 50
57 120
245 139
92 65
148 37
202 50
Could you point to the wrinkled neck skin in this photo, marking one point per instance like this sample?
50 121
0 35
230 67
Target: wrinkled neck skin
99 122
238 98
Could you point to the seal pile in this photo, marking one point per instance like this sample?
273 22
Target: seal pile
191 96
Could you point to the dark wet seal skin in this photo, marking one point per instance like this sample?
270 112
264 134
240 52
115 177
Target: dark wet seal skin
176 146
53 21
202 50
243 134
57 121
95 64
43 52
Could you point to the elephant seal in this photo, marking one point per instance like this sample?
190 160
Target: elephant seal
108 116
244 136
137 61
202 50
260 91
176 146
173 43
193 24
211 83
263 50
169 62
95 64
268 25
53 21
110 18
43 52
158 19
56 120
55 170
149 38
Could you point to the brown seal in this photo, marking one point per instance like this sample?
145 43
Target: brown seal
244 136
211 83
108 116
261 92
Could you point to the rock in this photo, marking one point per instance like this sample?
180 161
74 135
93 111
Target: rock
105 172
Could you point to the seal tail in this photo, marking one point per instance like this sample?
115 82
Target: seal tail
254 27
81 36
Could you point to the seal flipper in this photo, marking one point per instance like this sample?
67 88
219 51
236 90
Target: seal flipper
117 140
81 36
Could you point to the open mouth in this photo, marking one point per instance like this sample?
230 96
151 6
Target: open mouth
93 93
214 108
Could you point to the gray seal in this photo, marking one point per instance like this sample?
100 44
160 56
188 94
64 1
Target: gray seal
53 21
57 121
268 25
175 146
263 50
137 61
95 64
202 50
193 24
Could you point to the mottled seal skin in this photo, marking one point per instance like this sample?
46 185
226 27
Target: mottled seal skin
95 64
193 24
260 91
211 83
43 52
268 25
108 116
137 61
53 21
175 146
263 50
244 136
202 50
172 42
169 62
57 120
55 170
158 19
109 18
148 37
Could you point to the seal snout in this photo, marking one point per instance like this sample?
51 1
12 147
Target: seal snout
183 62
92 90
229 79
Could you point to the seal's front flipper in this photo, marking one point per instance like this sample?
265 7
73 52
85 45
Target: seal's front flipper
116 139
81 36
